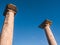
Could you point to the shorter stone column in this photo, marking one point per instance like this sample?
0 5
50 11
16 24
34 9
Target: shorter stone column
46 26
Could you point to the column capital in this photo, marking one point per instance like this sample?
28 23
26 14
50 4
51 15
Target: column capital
10 7
43 24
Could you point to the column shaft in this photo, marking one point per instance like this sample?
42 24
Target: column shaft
50 37
7 31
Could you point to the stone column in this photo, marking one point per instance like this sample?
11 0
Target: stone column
7 30
46 26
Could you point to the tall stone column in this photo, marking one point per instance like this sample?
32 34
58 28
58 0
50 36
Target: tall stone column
46 26
7 30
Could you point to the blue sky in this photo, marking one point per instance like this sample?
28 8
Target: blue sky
30 14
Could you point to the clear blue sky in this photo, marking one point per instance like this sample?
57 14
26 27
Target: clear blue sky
30 14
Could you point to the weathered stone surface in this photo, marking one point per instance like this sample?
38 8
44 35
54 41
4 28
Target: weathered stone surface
7 30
